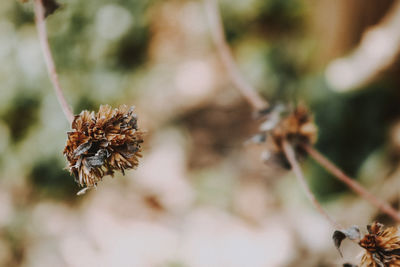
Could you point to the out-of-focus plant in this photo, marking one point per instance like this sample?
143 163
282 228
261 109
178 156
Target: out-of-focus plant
292 139
101 143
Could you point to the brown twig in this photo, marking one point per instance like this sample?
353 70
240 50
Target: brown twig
48 58
354 185
218 35
290 155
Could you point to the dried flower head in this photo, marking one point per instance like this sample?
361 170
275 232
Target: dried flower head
103 143
382 246
297 127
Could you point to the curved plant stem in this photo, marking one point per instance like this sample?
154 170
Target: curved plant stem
51 68
217 31
290 155
354 185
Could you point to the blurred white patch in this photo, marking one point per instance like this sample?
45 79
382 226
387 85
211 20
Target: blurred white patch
251 201
121 242
193 18
107 86
340 74
163 171
374 54
29 57
313 230
52 115
43 254
194 79
7 38
112 21
77 250
379 44
60 220
215 238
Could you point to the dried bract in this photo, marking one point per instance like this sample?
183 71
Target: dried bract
103 143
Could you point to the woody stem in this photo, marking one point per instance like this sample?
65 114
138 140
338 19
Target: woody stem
354 185
218 36
48 58
290 155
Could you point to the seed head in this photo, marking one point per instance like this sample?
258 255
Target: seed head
382 246
296 126
103 143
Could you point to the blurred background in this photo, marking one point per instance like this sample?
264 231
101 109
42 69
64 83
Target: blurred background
201 196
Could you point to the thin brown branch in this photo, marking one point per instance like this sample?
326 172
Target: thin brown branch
354 185
218 35
48 58
290 155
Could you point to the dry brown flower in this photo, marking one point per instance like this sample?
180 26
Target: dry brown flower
382 246
297 127
103 143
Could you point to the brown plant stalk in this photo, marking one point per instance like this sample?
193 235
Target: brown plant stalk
48 58
218 35
354 185
290 155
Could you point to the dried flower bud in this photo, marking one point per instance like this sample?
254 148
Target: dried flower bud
103 143
297 127
382 246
